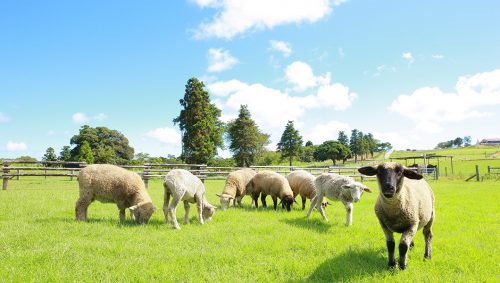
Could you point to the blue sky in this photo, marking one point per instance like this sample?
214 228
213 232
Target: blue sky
413 73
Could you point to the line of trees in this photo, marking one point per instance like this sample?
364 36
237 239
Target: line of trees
203 133
457 142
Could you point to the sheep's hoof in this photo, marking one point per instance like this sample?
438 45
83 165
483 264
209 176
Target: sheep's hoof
391 265
402 265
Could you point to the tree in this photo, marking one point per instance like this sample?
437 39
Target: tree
85 153
371 143
309 143
65 154
291 142
307 154
383 146
49 155
107 145
199 123
467 141
343 139
333 150
458 142
245 139
354 144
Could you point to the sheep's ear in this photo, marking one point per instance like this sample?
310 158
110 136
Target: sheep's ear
368 170
219 195
410 174
345 187
366 189
132 208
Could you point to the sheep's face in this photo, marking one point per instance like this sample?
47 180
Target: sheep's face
287 202
390 176
355 190
225 201
208 211
142 212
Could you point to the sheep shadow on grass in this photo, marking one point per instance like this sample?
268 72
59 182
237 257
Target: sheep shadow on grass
351 265
309 224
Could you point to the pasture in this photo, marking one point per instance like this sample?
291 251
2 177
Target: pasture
41 241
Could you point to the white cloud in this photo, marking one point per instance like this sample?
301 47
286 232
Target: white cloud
301 76
438 56
16 146
397 140
284 47
220 60
322 132
341 52
235 17
225 88
166 135
51 133
430 108
81 118
408 57
4 118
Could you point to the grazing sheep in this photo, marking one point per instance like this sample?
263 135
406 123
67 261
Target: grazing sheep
112 184
235 187
405 204
302 183
337 187
271 183
186 187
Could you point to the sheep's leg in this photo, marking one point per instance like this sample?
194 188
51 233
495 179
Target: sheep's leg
321 211
172 211
263 199
391 244
404 245
275 202
81 208
166 200
314 201
348 216
199 204
428 238
122 214
186 209
255 198
304 200
239 201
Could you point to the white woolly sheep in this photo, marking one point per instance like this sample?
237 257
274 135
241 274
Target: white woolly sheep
182 185
113 184
338 188
273 184
235 187
405 204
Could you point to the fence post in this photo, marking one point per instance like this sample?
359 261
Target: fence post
5 180
489 169
477 172
18 171
72 172
145 175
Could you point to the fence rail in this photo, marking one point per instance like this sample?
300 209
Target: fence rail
150 171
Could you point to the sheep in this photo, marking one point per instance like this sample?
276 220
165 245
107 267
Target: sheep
113 184
405 204
271 183
337 187
235 187
302 183
182 185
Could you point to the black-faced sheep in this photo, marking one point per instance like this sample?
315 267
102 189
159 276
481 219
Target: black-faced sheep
182 185
338 188
405 204
112 184
235 187
273 184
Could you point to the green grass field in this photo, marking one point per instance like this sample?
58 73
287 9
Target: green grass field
40 241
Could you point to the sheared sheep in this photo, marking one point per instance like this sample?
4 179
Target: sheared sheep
302 183
182 185
405 204
273 184
113 184
337 187
235 187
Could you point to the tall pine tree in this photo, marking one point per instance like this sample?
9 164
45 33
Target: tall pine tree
354 144
199 124
245 139
343 139
290 144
